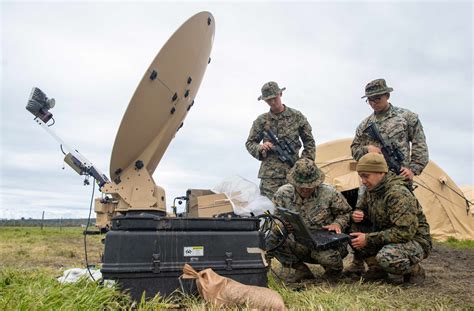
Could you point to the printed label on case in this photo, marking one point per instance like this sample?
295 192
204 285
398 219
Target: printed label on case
193 251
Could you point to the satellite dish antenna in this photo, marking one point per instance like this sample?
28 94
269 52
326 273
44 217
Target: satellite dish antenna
164 96
155 113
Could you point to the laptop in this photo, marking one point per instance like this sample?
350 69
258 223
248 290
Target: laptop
320 239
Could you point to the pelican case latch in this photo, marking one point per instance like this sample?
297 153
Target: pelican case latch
156 263
228 260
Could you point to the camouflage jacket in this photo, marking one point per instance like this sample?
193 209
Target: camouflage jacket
394 214
401 127
325 206
290 125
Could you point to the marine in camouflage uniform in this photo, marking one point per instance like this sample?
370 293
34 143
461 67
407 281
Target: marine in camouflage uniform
322 208
391 229
287 124
396 125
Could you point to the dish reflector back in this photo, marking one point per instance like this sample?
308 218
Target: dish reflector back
163 97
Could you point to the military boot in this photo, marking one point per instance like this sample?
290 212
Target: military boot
302 272
416 276
331 274
395 279
374 271
356 268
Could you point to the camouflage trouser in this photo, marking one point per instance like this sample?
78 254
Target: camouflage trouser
292 252
268 186
395 258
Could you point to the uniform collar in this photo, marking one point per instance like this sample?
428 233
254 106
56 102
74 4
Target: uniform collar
388 114
389 179
284 113
381 186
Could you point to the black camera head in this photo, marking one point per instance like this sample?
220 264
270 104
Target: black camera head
39 105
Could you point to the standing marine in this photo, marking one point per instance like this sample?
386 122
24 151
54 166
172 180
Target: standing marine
390 231
400 128
396 125
289 126
322 208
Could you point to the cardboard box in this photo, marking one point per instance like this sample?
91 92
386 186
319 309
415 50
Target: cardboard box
210 205
192 195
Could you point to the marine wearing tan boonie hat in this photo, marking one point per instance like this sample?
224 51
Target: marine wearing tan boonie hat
376 87
372 162
270 90
305 174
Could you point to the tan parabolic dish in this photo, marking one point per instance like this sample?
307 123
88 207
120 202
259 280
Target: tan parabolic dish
155 113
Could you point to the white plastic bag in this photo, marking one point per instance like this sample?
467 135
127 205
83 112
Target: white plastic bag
244 196
73 275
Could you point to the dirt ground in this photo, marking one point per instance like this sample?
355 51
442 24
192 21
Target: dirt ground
449 272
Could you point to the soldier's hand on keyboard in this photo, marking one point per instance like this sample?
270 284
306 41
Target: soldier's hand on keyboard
333 227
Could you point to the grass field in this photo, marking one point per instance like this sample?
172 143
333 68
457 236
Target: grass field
31 259
465 244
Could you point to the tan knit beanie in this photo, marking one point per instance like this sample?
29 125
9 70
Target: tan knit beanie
372 162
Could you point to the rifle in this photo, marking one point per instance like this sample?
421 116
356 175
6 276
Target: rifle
390 151
283 149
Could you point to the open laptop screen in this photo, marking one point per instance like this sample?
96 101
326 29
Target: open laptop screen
319 239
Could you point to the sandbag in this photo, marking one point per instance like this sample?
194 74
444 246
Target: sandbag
225 292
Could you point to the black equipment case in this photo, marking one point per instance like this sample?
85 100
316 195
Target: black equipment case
146 253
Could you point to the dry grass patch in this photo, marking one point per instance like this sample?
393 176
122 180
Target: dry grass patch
50 247
31 259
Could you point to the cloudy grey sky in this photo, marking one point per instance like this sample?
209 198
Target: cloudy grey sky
90 57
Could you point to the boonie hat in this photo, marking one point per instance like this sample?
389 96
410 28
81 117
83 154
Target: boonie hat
372 162
270 90
376 87
305 174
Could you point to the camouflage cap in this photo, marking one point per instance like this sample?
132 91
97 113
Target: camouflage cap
372 162
376 87
305 174
270 90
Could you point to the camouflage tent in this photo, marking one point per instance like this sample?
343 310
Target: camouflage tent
444 204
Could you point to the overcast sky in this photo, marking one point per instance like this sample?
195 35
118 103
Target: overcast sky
90 56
